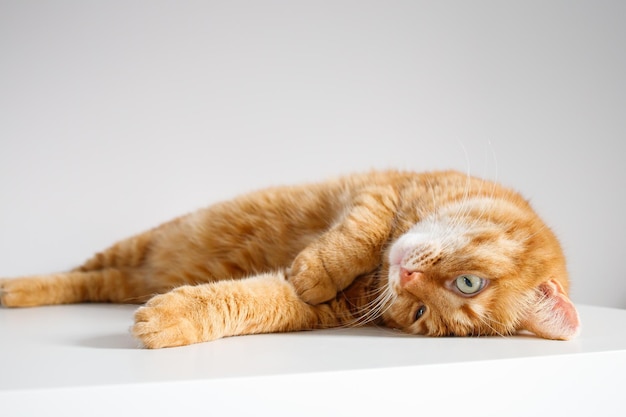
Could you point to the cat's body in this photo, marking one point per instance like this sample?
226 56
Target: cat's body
436 253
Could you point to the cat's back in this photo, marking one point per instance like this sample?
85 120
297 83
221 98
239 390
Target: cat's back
263 229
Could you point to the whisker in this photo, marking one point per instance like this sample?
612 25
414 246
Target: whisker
486 320
382 299
372 312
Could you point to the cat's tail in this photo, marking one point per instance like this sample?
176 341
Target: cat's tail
104 285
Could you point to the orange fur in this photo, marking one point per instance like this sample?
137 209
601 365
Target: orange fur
383 247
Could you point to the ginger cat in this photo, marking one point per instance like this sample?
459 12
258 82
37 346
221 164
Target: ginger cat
433 254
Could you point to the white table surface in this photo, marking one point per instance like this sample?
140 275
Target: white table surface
64 360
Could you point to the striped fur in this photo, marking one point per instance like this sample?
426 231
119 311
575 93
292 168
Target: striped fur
332 254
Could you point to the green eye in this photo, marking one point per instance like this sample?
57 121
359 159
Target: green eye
469 284
420 312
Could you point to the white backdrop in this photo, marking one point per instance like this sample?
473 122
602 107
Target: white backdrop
118 115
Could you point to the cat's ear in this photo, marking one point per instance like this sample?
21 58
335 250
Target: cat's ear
553 315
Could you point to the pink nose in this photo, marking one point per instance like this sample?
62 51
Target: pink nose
407 276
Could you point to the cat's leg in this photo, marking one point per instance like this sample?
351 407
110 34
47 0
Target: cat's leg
114 275
105 285
351 248
266 303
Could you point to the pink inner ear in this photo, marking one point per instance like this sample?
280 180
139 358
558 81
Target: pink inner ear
554 315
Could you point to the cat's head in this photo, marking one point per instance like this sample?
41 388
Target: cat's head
481 266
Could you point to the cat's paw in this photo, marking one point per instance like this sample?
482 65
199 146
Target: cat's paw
311 280
3 281
19 292
172 319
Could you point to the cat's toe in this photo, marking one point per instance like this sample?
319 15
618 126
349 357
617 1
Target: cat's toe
165 322
312 286
3 292
13 293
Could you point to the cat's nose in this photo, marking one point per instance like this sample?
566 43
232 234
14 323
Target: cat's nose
407 276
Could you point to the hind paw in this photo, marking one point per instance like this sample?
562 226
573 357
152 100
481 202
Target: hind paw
21 292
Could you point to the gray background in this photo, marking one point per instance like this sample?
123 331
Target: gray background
118 115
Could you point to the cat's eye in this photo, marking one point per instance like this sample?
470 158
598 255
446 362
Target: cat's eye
420 312
469 284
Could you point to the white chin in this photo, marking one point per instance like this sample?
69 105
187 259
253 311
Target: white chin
394 275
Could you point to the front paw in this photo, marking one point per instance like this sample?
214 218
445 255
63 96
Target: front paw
173 319
311 280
